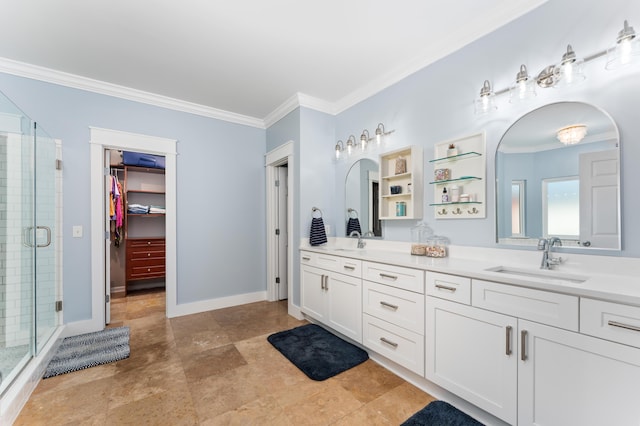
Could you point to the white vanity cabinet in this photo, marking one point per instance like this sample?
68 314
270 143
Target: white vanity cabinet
393 313
523 354
331 292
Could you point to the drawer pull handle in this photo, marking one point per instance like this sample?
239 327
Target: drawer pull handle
391 277
322 282
388 342
349 267
508 344
446 287
148 243
148 269
148 254
306 258
622 325
523 345
389 305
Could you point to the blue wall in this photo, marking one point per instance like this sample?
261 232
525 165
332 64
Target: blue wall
221 235
435 104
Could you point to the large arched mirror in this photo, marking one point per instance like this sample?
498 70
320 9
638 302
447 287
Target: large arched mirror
558 174
361 198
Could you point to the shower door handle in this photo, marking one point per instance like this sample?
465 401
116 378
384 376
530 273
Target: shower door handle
48 243
26 236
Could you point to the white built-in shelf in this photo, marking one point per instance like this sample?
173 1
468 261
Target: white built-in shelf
410 182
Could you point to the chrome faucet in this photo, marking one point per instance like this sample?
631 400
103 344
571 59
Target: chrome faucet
361 243
548 261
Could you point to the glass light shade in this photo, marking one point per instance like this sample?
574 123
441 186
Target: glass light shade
485 103
339 148
525 87
364 139
570 70
626 49
571 135
379 134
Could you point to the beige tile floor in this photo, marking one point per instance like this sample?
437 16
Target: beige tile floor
215 368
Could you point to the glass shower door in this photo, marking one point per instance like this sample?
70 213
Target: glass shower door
45 221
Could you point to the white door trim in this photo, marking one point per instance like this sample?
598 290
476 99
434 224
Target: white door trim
100 140
277 157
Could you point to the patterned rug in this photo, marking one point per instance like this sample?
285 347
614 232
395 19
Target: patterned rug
315 351
441 413
89 350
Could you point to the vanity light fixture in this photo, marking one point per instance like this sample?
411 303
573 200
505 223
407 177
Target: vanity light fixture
485 103
524 88
381 133
351 144
569 71
339 149
571 135
623 51
364 139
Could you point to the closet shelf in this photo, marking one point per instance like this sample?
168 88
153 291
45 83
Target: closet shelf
138 191
146 214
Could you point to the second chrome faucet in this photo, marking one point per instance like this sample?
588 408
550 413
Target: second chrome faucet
548 261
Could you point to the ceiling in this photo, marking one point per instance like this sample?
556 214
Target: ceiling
246 57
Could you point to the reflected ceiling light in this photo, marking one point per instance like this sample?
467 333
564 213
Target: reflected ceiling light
524 88
571 135
485 103
364 139
339 149
624 50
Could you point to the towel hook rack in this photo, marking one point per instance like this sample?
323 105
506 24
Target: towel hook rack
350 211
315 209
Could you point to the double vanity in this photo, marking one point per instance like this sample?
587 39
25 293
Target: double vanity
528 346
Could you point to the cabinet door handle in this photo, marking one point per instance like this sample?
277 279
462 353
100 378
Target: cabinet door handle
523 345
446 287
388 342
391 277
389 305
508 340
623 325
349 267
322 282
326 282
306 258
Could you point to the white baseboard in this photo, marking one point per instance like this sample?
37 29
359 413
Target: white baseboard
212 304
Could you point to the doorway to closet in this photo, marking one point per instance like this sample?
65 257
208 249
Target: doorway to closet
135 223
105 139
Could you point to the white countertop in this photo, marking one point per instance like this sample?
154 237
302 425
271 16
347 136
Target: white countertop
608 278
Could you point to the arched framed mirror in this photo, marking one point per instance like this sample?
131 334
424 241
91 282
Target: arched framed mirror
558 174
361 198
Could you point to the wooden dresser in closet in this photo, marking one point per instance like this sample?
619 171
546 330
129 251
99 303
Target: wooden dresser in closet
145 258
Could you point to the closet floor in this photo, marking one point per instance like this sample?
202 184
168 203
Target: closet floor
215 368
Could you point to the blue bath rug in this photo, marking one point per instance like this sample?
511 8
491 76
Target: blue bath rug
89 350
316 352
440 413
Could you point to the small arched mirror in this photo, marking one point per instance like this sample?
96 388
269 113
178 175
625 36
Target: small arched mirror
558 175
361 198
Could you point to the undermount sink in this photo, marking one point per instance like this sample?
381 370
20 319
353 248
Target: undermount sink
547 275
347 249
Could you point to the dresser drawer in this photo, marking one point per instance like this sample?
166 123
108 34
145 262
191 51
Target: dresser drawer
146 242
611 321
400 307
145 272
396 343
397 276
450 287
558 310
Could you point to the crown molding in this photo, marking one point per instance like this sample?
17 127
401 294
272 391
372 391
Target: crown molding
47 75
295 101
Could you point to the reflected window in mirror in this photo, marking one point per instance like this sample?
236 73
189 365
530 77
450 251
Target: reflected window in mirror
517 209
530 151
561 208
361 198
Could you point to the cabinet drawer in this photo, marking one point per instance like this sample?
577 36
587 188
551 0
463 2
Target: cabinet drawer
145 272
559 310
611 321
351 267
144 253
397 276
450 287
399 307
146 242
343 265
396 343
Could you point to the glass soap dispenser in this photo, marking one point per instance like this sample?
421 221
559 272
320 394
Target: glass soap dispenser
420 234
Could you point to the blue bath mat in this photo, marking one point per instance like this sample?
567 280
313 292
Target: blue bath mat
89 350
316 352
440 413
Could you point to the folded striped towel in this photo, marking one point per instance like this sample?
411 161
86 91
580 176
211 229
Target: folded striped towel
317 235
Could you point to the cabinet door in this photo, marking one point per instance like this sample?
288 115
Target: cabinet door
473 353
572 379
313 294
345 305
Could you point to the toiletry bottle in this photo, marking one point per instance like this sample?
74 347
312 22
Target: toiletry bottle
445 196
455 194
